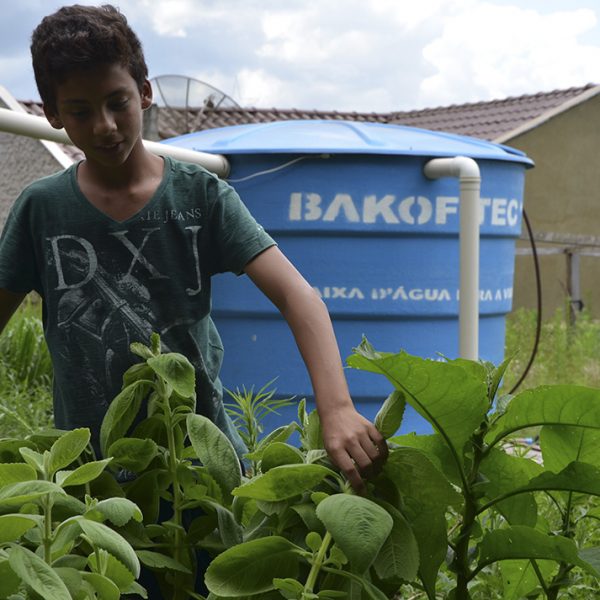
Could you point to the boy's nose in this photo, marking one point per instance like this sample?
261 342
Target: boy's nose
104 123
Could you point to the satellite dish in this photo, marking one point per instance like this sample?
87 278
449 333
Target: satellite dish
180 91
190 97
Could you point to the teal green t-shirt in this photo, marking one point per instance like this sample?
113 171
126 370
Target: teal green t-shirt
106 283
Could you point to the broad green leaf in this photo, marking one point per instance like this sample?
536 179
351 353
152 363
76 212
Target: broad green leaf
71 578
280 434
83 474
519 578
67 448
549 405
73 561
142 351
12 527
133 454
426 494
389 417
360 587
37 574
215 451
137 491
399 554
504 473
311 434
122 412
562 445
250 568
228 528
177 371
104 587
575 477
33 458
447 395
155 560
308 513
10 580
281 483
104 537
119 511
358 526
435 449
64 538
416 476
141 592
114 569
17 494
290 588
525 542
16 472
66 506
277 454
429 527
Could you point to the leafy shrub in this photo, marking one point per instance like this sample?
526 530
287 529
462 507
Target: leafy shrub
25 374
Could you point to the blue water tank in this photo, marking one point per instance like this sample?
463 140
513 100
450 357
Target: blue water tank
350 206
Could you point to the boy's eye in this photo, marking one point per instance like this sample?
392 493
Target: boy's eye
119 104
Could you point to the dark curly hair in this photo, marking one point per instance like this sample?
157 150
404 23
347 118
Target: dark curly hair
78 38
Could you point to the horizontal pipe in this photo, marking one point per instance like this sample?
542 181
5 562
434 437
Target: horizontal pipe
39 128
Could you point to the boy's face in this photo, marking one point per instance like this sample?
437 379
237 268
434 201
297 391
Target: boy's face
101 110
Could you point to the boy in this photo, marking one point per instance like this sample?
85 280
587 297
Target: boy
109 275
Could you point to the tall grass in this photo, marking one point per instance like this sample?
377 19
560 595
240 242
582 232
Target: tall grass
25 374
566 354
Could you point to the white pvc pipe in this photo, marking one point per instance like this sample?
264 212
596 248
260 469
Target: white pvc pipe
467 171
39 128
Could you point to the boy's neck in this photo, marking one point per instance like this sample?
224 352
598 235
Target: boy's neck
140 166
121 192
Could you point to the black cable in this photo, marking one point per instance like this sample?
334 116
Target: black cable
538 284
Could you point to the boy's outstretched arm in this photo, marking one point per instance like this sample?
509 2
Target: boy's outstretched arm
352 442
9 302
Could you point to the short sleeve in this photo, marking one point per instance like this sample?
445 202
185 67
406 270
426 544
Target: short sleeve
17 255
237 237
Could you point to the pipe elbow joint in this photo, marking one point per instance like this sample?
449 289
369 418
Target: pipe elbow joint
461 167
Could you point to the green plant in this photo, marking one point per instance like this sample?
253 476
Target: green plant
249 409
55 545
495 493
25 374
567 353
459 514
181 460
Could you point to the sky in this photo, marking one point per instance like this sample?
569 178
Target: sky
346 55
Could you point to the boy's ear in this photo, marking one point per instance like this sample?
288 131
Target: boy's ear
53 118
146 95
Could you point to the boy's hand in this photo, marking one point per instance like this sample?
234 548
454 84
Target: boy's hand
354 445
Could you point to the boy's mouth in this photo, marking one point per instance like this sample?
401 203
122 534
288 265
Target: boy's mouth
109 147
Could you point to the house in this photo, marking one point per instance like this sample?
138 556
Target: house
559 130
24 159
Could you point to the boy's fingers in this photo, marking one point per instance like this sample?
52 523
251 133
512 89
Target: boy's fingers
349 468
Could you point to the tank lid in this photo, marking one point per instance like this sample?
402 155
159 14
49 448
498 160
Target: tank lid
342 137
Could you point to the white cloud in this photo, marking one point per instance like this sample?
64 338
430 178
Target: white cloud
493 51
374 55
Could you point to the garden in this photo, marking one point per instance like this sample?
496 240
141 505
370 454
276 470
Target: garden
500 502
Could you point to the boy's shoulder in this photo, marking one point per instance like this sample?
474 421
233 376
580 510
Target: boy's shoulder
54 181
187 169
194 175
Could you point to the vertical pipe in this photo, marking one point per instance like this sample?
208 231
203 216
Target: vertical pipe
467 171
